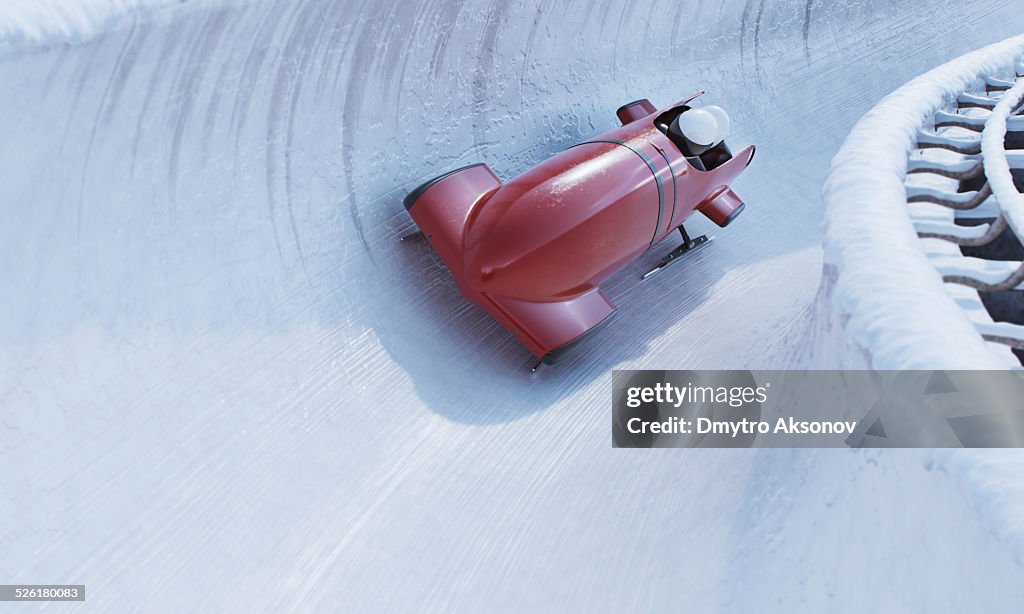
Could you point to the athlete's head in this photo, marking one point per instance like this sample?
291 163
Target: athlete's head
698 130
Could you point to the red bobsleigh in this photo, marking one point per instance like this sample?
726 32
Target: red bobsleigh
533 251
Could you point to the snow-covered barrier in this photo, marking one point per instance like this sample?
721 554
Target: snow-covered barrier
991 480
891 261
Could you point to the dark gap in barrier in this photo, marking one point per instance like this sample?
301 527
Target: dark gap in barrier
1005 247
1014 140
1007 306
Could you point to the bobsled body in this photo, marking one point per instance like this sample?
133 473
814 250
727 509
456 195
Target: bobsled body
533 251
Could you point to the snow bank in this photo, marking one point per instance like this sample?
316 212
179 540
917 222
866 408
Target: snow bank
888 296
36 22
993 480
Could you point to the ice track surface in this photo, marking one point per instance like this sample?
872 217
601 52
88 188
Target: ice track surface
226 386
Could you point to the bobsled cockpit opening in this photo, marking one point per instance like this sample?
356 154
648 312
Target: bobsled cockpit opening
664 120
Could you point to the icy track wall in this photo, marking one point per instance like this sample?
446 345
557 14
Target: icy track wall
331 111
226 385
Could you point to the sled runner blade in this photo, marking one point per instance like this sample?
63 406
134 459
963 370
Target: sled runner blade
686 248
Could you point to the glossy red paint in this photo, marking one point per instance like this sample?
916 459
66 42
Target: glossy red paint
533 251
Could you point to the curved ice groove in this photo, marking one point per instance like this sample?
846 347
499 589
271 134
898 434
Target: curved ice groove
898 311
235 389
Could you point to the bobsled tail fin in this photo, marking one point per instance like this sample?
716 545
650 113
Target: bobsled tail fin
552 330
442 206
632 111
723 205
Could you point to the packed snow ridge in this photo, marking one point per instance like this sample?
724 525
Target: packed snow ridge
991 479
37 22
878 283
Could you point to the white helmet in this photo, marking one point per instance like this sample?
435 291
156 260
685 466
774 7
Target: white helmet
724 124
702 127
699 126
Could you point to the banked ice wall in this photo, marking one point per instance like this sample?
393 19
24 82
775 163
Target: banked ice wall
220 369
